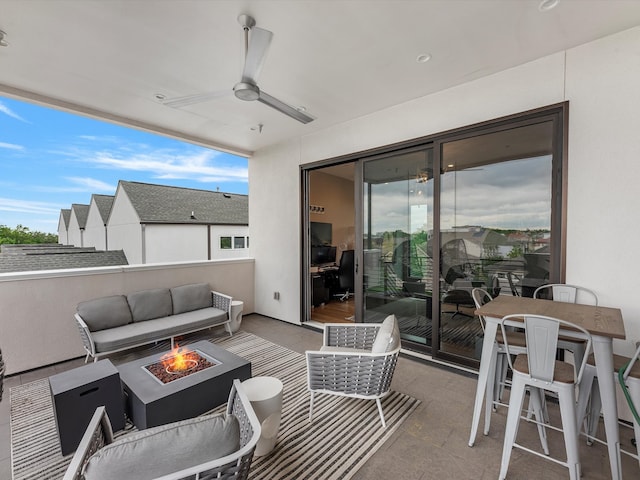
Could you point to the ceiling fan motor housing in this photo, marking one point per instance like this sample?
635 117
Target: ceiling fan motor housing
246 91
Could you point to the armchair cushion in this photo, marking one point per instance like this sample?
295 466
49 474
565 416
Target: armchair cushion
388 336
150 304
106 312
187 298
169 448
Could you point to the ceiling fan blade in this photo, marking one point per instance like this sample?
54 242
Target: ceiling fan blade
179 102
259 42
284 108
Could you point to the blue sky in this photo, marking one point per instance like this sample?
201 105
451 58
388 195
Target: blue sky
50 159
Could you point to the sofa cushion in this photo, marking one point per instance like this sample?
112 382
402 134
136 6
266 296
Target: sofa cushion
139 333
105 312
187 298
388 336
150 304
166 449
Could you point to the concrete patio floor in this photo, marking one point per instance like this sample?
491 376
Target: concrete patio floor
432 442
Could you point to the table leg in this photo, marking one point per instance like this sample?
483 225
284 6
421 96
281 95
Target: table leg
483 375
603 350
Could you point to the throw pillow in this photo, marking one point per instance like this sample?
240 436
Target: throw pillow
387 337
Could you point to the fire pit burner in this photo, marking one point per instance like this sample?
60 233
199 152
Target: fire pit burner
179 364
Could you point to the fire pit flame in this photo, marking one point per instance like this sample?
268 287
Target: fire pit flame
179 360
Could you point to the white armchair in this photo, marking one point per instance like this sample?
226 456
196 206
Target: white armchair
355 360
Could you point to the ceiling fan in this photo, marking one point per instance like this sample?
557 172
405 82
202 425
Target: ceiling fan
256 47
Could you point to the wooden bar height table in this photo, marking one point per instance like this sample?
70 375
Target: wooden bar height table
603 323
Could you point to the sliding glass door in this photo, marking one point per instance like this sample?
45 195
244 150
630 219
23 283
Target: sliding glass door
478 207
397 270
494 223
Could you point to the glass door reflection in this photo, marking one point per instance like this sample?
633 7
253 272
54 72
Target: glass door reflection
397 272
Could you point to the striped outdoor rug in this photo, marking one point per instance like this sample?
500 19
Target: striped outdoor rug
344 433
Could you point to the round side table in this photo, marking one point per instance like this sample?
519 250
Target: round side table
265 395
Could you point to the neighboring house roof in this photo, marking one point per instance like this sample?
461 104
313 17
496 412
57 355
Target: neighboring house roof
104 204
65 213
81 211
175 205
23 258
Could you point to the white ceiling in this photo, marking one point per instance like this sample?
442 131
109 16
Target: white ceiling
338 59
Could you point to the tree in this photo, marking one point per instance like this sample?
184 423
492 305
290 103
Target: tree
22 235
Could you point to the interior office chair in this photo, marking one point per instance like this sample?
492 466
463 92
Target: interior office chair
346 275
561 292
453 262
539 370
590 403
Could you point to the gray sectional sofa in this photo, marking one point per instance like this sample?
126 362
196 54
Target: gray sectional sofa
119 322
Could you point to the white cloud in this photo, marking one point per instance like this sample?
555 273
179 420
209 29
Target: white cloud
26 206
11 146
91 184
7 111
198 167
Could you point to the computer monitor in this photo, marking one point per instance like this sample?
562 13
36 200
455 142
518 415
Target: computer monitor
323 255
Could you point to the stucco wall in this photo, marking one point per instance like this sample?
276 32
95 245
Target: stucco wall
123 228
599 80
175 243
94 232
74 236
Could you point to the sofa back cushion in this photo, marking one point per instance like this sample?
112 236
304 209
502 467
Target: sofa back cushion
388 336
150 304
187 298
166 449
105 312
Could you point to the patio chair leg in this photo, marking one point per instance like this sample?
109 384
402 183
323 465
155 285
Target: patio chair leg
311 408
384 425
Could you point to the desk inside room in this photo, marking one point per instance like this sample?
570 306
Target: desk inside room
323 282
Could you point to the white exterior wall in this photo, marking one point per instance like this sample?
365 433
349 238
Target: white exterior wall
175 243
94 231
74 235
63 236
599 80
124 231
218 231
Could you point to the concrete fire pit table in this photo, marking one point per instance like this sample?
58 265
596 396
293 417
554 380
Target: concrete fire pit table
151 403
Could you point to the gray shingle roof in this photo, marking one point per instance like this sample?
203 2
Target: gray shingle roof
165 204
22 258
81 211
104 204
66 216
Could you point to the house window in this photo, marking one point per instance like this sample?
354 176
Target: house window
225 243
238 242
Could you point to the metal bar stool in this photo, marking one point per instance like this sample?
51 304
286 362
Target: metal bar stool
539 370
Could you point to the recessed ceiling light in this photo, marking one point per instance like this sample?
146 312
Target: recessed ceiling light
546 5
423 58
